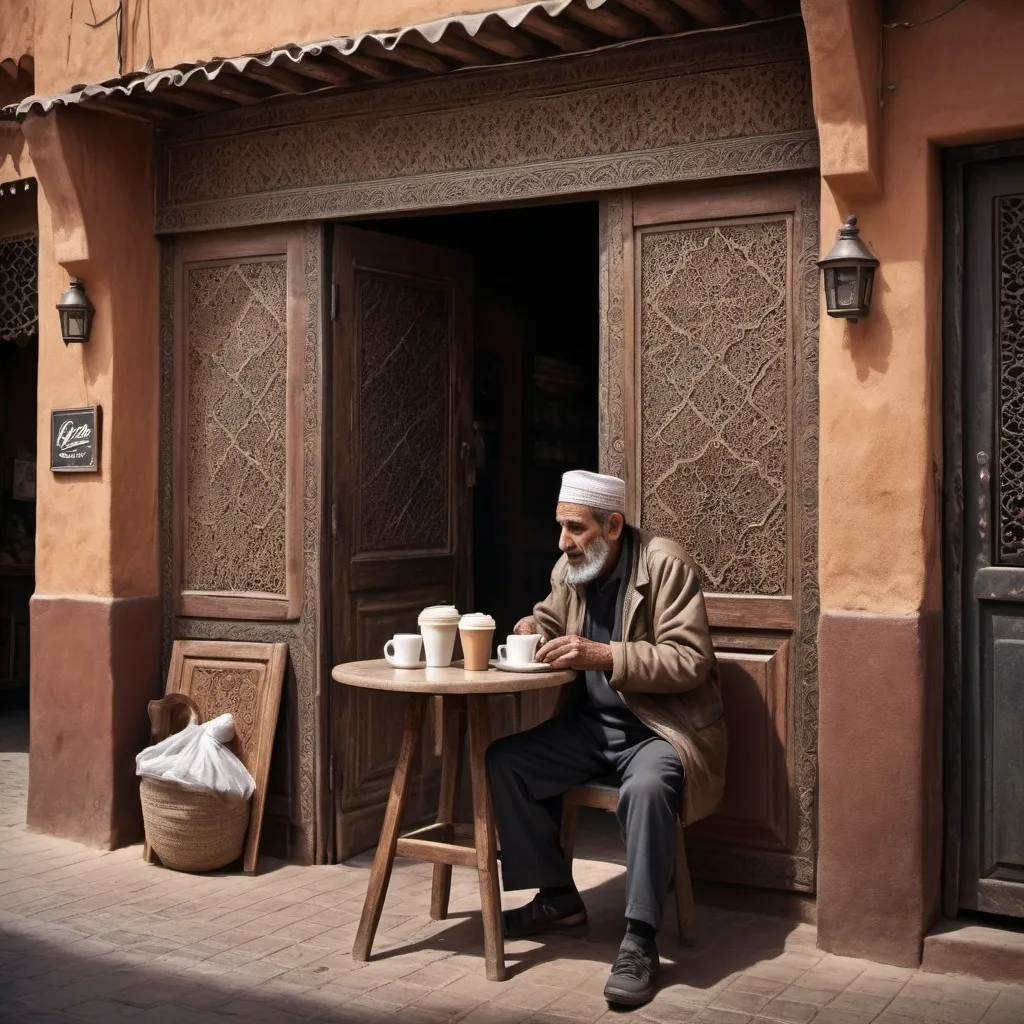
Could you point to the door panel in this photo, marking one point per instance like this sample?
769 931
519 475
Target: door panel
719 356
992 743
401 499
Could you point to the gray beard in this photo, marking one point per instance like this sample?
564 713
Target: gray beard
592 565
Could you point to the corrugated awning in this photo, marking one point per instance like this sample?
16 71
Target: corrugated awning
527 31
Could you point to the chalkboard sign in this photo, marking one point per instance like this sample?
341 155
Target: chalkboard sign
75 440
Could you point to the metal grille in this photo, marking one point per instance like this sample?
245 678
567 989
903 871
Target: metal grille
1010 327
19 287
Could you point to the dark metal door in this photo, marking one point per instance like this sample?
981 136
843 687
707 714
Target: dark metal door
992 597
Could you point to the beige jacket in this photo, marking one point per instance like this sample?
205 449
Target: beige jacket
665 671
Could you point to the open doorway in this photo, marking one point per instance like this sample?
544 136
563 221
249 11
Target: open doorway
19 358
464 382
535 381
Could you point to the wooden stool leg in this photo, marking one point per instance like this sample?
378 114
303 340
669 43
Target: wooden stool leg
454 711
380 875
486 846
683 891
570 814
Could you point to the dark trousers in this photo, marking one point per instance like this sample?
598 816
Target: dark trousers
529 771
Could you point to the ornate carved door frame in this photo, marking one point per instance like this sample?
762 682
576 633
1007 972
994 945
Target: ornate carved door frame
707 108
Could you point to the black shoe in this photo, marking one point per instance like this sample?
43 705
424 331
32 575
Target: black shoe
540 915
631 982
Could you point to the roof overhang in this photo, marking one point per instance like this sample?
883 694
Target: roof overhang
528 31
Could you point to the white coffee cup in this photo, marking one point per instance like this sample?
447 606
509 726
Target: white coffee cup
439 625
519 649
403 650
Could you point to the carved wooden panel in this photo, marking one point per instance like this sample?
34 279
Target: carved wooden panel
1009 216
401 407
239 326
235 424
404 413
758 804
690 108
295 781
714 347
243 680
710 325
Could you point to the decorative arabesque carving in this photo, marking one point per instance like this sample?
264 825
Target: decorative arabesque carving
235 422
670 110
403 333
611 426
713 367
1010 313
235 688
19 287
301 696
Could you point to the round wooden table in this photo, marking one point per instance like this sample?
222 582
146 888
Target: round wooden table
463 697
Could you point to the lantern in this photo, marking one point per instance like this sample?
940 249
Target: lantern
76 313
849 271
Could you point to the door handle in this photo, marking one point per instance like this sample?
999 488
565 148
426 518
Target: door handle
984 503
469 463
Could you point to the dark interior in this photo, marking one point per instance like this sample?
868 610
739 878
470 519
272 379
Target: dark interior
19 358
535 382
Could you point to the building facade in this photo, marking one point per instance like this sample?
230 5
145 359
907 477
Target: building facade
363 294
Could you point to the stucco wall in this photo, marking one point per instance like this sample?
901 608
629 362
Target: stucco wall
881 378
169 32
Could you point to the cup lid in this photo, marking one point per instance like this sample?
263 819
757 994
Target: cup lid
439 614
476 620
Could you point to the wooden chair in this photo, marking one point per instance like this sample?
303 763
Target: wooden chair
605 797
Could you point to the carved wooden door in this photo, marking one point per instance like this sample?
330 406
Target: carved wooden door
992 597
710 321
401 511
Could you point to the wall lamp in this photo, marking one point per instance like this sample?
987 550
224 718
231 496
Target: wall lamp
849 271
76 313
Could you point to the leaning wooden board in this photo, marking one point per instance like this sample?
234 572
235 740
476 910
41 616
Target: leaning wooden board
244 679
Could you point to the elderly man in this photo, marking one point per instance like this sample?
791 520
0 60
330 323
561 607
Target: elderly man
627 613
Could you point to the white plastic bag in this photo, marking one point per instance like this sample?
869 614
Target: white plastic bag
196 758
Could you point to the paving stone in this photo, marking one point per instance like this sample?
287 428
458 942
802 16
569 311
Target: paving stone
93 936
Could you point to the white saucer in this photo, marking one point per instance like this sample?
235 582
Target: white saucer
533 666
408 668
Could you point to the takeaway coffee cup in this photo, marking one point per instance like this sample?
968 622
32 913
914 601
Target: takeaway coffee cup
439 624
477 634
519 649
403 650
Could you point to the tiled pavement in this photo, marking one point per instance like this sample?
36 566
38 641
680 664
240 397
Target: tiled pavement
94 937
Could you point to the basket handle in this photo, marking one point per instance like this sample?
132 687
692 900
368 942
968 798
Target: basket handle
167 712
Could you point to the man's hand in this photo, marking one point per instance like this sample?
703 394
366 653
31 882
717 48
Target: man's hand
577 653
526 627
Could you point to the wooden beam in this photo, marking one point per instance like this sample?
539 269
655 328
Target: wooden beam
568 37
378 70
183 96
662 13
419 60
506 41
138 111
325 69
705 12
619 25
282 79
771 8
457 48
234 88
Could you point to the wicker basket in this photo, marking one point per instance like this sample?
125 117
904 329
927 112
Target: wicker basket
191 830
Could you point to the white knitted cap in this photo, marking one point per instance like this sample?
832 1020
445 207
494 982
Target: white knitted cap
607 493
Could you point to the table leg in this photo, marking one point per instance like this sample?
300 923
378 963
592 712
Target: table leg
454 720
380 875
486 846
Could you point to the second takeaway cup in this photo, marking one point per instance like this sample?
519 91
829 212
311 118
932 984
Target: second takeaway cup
476 631
438 625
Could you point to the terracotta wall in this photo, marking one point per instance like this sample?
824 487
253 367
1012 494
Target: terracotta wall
169 32
951 81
